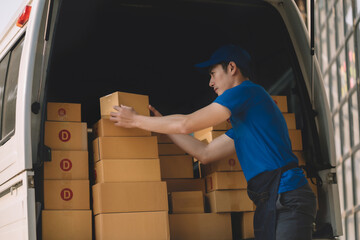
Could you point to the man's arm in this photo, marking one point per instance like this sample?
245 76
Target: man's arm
208 116
220 148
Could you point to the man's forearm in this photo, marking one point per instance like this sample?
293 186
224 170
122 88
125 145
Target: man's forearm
172 124
190 145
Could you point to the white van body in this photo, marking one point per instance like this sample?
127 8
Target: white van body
20 209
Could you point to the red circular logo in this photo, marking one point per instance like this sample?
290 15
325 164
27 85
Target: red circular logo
232 162
64 135
66 194
65 165
62 112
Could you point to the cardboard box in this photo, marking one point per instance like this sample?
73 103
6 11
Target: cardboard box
127 170
230 201
125 147
135 226
170 149
224 126
225 181
106 128
187 202
300 157
129 197
139 102
296 139
177 166
281 102
209 136
66 135
67 112
290 120
66 194
226 165
71 165
247 225
200 226
179 185
162 138
67 224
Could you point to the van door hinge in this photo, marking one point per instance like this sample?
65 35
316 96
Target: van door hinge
11 189
31 183
331 178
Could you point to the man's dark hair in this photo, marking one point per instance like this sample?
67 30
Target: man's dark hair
244 71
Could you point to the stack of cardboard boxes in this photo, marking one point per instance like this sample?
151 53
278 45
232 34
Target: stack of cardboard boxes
188 219
296 138
67 213
129 199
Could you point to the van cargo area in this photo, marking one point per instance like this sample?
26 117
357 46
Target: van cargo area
150 48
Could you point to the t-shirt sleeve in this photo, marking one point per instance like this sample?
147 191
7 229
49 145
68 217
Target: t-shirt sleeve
230 133
235 99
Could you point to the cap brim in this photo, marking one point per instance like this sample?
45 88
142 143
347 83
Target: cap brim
206 64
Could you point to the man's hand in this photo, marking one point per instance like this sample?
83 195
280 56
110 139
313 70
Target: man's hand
155 112
124 116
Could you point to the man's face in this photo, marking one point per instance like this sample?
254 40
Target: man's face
220 80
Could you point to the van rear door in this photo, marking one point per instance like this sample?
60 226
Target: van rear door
17 63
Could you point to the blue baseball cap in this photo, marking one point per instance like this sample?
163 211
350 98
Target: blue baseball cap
228 53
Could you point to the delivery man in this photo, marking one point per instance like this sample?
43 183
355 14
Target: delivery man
285 204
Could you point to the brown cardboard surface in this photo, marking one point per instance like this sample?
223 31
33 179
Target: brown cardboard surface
67 165
132 226
224 126
66 135
67 224
230 201
162 138
179 185
200 226
106 128
187 202
129 197
247 225
177 166
226 165
127 170
300 157
66 194
296 139
139 102
290 120
281 102
125 147
170 149
208 136
225 181
68 112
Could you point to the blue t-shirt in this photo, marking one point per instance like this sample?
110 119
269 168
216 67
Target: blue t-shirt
260 134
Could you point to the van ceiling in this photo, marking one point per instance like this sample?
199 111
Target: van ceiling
151 47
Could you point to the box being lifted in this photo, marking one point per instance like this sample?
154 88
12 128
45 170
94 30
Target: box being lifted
139 102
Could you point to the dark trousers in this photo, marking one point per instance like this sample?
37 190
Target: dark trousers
296 211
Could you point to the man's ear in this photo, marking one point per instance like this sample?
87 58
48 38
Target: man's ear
232 67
